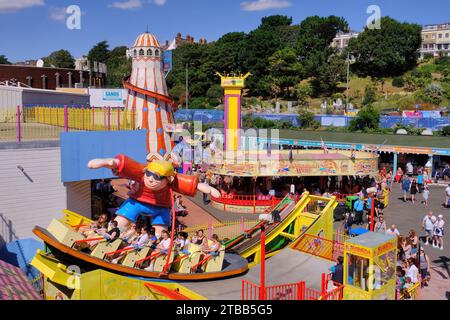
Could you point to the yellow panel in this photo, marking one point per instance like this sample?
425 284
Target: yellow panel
233 125
233 91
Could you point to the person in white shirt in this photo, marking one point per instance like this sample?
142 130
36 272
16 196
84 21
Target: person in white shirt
393 231
439 232
164 244
428 225
409 169
162 247
412 271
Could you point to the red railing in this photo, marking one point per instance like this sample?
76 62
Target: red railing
247 201
292 291
311 294
335 294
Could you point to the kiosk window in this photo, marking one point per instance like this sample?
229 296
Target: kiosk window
358 272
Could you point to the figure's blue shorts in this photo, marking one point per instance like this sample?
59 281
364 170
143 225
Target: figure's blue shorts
132 209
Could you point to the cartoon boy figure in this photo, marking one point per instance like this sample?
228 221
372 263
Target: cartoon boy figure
152 193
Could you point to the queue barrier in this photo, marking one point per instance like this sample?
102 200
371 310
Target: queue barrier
252 203
291 291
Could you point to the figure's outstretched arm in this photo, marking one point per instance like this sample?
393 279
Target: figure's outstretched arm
203 187
110 163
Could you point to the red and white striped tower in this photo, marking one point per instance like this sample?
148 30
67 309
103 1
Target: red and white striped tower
148 96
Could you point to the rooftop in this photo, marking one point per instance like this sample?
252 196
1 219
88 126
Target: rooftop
363 138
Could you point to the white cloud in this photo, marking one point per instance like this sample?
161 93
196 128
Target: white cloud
16 5
58 13
127 5
160 2
260 5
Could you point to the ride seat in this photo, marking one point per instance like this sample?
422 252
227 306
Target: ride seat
104 247
63 233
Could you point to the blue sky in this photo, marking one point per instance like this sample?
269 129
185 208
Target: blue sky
32 29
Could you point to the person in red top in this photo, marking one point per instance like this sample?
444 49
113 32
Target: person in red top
152 189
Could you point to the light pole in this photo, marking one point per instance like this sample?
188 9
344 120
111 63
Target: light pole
348 76
187 86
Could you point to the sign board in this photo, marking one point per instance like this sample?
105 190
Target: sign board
112 95
115 98
167 61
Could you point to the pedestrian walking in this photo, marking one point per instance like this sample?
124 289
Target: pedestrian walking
420 181
439 232
413 189
406 184
424 265
428 226
426 195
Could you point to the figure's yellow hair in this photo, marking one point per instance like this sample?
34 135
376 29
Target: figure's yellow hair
161 167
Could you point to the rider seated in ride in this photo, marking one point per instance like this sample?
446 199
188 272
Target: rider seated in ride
152 197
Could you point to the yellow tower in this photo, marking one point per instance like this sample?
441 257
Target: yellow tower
233 86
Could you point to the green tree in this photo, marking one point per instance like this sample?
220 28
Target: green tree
329 75
389 51
368 118
314 38
118 65
99 52
4 60
285 69
370 95
215 93
60 59
303 92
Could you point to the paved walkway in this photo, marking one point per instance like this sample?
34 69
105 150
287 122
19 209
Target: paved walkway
219 214
409 216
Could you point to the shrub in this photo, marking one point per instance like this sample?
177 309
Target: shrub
398 82
368 118
370 95
445 131
306 119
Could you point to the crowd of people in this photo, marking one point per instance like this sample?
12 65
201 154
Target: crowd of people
140 235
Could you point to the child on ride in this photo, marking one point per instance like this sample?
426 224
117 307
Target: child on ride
152 197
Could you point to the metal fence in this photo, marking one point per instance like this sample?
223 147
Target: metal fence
31 122
213 116
291 291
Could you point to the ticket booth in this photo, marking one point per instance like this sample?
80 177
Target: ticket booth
370 261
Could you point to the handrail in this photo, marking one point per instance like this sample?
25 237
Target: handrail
179 259
79 225
201 262
173 295
120 251
89 240
150 257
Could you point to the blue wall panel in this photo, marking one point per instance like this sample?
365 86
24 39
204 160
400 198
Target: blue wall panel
77 148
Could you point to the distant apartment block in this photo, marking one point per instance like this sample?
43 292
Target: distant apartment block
342 39
435 39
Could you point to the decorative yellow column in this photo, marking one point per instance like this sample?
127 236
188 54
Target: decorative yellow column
233 86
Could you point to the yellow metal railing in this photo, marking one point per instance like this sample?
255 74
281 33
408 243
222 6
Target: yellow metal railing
412 293
90 119
224 229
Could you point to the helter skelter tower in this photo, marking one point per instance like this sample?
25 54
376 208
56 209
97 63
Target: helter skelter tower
148 96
